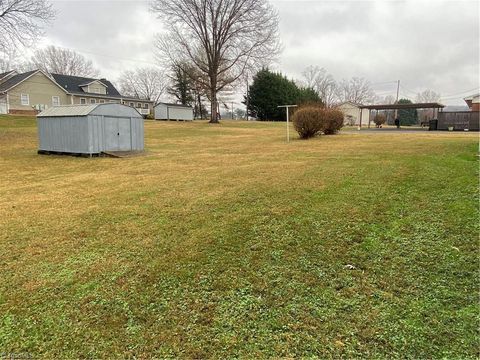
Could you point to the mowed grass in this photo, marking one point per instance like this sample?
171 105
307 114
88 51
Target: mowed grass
223 241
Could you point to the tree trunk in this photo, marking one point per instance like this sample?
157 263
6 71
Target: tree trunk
213 107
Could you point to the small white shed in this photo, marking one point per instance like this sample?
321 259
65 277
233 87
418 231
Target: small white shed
164 111
90 129
351 114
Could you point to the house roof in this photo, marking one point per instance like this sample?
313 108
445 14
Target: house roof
73 84
471 97
15 80
68 83
5 74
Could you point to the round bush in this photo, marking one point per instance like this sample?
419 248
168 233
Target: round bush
333 121
307 121
379 119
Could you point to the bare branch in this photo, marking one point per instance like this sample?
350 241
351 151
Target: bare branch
63 61
222 39
145 83
21 21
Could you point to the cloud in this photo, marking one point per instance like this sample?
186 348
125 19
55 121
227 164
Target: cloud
425 44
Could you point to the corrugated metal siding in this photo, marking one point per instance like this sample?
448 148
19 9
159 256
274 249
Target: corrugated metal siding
67 134
112 127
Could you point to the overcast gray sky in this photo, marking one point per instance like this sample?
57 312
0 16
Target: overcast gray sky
426 44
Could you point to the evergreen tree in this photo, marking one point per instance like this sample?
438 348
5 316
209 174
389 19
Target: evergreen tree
407 116
181 86
270 90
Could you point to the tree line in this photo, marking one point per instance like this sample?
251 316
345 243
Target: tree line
207 52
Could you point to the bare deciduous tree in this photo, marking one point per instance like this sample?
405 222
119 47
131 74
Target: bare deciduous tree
147 83
428 96
58 60
357 90
222 39
21 21
322 82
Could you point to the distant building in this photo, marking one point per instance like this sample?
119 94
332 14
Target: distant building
473 102
165 111
351 113
34 91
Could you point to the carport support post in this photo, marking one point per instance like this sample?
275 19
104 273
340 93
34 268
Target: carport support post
361 113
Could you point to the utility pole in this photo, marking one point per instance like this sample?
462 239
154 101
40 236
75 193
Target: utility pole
396 101
247 98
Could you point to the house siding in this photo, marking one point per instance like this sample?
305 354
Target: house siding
40 90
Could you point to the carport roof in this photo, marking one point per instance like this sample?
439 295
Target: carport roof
404 106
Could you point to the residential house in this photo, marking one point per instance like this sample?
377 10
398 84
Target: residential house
473 102
33 91
352 112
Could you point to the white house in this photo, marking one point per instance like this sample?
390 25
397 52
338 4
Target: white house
351 113
164 111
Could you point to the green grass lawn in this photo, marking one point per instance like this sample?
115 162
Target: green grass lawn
223 241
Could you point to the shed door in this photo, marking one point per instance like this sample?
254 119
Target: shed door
124 134
117 134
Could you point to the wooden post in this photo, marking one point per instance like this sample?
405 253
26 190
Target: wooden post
360 124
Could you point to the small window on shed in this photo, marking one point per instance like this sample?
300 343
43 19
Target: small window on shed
93 101
83 101
25 99
55 100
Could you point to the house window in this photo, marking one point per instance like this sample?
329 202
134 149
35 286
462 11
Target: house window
139 105
112 101
83 101
101 101
55 100
132 104
93 101
145 106
25 99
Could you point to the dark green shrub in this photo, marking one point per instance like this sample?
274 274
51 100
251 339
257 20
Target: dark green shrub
307 121
332 121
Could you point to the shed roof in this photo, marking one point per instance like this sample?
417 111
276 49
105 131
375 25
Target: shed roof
175 105
84 110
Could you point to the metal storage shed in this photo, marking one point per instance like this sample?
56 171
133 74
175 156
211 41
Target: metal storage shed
164 111
90 129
